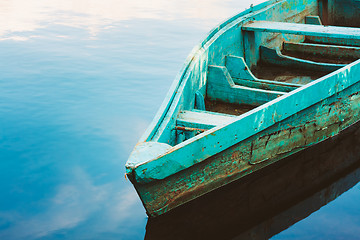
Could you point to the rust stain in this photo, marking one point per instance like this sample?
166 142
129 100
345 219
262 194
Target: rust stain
355 93
267 141
234 155
189 129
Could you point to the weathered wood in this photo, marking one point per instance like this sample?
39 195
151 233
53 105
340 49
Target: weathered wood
147 151
265 85
275 57
199 101
324 11
345 12
239 207
169 169
334 41
333 51
221 87
202 119
238 68
242 75
250 48
303 29
287 137
315 20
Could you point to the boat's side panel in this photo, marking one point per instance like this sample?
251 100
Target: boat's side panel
194 80
312 125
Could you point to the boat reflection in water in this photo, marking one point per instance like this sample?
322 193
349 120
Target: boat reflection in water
269 201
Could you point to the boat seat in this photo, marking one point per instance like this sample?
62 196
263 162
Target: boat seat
221 87
333 51
275 57
303 29
241 75
203 120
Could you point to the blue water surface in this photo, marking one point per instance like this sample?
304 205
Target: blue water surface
80 81
339 219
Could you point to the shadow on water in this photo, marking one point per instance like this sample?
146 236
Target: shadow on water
271 200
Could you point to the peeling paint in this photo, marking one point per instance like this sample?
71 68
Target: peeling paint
204 155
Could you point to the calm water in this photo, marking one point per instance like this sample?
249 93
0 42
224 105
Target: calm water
80 81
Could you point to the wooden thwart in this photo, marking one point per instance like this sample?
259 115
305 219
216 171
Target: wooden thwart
242 75
303 29
202 119
324 50
275 57
221 87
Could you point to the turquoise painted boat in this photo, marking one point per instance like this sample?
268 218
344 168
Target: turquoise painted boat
270 82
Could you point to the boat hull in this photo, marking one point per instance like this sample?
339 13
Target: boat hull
173 163
270 200
315 124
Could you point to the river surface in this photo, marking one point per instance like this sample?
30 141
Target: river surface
80 81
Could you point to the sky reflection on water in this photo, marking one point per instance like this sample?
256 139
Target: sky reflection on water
97 16
80 82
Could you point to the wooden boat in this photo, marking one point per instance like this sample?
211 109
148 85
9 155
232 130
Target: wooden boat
267 83
270 200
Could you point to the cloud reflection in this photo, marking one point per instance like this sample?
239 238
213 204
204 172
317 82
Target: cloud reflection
73 204
94 15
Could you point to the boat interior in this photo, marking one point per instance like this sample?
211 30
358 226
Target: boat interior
264 54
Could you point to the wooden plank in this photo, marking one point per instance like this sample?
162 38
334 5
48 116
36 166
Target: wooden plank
303 29
334 41
275 57
324 11
221 87
315 20
202 119
265 85
199 101
242 75
251 50
324 50
238 68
